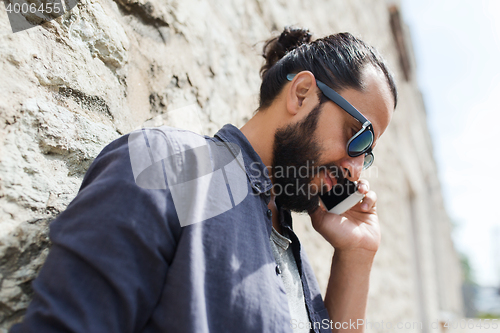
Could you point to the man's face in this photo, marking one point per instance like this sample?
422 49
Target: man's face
309 155
296 151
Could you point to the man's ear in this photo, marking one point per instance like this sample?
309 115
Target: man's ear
301 93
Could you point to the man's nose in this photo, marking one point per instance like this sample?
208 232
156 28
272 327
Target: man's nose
352 167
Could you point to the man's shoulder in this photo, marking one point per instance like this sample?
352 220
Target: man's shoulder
165 153
187 168
196 169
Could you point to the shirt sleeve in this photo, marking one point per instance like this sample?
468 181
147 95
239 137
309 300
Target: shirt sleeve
111 250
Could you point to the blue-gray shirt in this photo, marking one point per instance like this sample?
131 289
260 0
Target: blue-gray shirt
120 260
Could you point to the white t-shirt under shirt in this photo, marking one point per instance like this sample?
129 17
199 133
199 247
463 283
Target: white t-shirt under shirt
280 244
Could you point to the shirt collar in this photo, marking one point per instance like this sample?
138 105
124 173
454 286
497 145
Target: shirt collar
256 171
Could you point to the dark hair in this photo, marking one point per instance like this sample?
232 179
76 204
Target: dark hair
336 60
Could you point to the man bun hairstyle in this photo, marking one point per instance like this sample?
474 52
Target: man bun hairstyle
337 60
276 48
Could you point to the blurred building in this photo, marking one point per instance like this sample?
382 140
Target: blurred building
487 301
108 67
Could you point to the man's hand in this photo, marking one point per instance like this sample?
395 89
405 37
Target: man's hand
356 229
355 235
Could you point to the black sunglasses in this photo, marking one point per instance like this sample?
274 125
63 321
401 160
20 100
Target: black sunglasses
361 142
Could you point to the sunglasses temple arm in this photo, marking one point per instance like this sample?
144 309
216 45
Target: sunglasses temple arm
340 101
337 99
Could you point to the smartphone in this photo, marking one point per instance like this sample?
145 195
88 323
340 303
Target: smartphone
342 197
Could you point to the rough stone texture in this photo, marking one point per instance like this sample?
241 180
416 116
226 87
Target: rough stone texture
107 67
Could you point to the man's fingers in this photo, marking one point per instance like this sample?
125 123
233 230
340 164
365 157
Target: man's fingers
369 201
363 186
370 197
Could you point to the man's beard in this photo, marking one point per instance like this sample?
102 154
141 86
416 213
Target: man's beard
295 153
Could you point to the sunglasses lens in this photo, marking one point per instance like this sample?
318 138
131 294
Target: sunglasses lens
361 143
368 161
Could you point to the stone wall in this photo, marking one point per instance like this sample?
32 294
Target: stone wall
69 87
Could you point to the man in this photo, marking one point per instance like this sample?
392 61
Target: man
148 245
